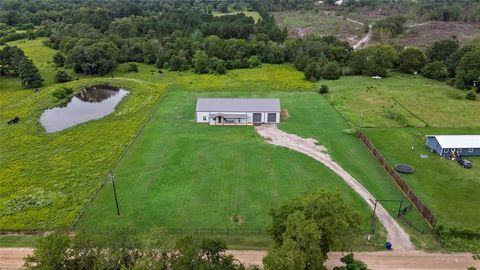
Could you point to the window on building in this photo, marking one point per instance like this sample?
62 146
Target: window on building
204 118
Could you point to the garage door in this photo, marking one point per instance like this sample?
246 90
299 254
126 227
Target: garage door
257 117
272 118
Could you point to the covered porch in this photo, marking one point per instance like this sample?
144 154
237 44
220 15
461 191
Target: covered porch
229 119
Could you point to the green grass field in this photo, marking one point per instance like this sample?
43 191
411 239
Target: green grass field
254 14
62 171
403 100
443 185
201 175
180 174
318 23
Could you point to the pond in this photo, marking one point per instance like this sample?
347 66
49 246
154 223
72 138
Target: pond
91 103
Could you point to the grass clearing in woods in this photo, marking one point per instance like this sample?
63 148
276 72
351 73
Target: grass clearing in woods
318 23
402 100
254 14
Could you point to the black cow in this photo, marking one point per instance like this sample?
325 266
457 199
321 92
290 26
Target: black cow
13 121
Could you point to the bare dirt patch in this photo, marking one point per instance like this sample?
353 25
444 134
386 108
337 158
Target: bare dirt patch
13 258
405 260
310 147
424 34
237 219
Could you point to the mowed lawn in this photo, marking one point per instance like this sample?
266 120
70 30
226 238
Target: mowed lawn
403 100
180 174
450 191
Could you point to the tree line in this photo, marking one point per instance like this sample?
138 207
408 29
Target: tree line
13 62
445 60
303 232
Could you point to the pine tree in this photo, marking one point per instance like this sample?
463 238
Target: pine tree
29 74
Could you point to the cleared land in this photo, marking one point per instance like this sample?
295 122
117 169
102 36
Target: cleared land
49 178
442 184
403 100
254 14
183 174
425 34
63 170
300 23
310 147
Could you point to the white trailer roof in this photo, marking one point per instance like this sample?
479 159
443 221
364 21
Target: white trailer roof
238 105
458 141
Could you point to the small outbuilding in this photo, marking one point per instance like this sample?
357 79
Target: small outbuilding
238 111
448 145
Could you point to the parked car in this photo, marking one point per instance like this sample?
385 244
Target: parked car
465 163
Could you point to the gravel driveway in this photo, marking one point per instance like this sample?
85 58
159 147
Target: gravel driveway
395 234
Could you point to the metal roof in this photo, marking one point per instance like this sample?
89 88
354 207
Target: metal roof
238 105
457 141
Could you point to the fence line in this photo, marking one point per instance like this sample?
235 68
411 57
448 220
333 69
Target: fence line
421 207
117 161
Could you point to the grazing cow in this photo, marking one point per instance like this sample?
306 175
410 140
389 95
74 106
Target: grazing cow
13 121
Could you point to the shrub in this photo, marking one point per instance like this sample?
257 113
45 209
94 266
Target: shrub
132 67
349 131
63 92
59 59
332 71
216 65
220 68
313 72
253 61
435 70
323 89
471 95
61 76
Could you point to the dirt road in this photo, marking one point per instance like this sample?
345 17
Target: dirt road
364 41
404 260
12 258
395 234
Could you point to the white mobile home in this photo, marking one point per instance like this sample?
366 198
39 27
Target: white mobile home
238 111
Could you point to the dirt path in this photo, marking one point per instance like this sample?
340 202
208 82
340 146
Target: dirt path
395 234
12 258
302 31
418 24
364 41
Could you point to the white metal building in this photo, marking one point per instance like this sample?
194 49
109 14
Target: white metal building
238 111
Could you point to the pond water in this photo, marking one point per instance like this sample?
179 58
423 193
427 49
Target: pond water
91 103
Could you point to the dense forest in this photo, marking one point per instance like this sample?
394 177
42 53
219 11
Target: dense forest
93 37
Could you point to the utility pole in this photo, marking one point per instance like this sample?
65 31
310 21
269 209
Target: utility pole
110 175
414 141
373 217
